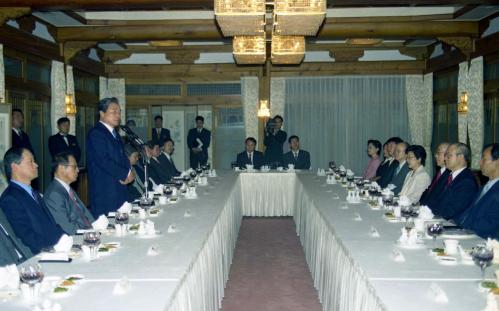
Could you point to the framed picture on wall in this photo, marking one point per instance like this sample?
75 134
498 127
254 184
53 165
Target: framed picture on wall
5 128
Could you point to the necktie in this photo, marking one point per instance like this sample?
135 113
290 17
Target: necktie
439 174
77 207
158 130
199 131
65 139
449 180
296 155
486 188
398 170
250 157
115 134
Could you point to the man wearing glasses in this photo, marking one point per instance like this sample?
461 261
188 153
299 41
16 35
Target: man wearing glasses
68 210
461 186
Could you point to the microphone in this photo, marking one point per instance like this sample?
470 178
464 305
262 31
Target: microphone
131 134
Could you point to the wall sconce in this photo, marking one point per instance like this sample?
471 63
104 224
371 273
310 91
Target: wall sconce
70 105
462 105
263 111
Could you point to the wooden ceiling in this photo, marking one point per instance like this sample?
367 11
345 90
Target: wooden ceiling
456 31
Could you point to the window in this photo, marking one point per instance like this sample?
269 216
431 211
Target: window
491 100
445 107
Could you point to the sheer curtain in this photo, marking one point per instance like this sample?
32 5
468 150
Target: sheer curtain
335 116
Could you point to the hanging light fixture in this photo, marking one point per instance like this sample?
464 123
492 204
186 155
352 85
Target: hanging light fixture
462 105
249 49
298 17
263 110
70 105
287 49
240 17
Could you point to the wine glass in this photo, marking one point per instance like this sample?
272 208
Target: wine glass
92 240
435 230
31 274
482 256
121 218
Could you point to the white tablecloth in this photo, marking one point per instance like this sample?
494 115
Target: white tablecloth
351 270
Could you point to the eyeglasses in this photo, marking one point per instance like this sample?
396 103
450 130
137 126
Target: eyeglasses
71 165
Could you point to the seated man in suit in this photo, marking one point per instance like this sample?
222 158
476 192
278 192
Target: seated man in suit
166 158
483 214
12 249
461 186
66 208
24 207
388 167
299 158
136 188
157 169
63 141
250 155
402 169
439 181
159 134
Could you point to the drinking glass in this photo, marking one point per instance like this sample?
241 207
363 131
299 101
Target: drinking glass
31 274
482 256
92 240
435 230
121 218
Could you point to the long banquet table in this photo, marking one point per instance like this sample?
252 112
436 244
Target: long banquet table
351 269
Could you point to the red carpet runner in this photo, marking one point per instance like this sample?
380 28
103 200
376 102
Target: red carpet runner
269 271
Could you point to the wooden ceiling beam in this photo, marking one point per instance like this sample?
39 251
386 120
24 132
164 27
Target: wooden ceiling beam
209 31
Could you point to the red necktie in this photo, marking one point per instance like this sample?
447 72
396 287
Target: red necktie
439 174
449 180
78 210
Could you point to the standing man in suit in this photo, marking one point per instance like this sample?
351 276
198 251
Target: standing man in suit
63 203
461 186
402 169
159 134
274 141
23 206
299 158
63 141
12 249
483 214
389 166
439 181
19 138
250 155
198 141
109 170
167 158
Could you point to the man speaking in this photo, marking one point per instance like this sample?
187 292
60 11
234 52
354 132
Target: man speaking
108 167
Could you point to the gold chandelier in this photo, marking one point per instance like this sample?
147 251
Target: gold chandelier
298 17
287 49
240 17
249 49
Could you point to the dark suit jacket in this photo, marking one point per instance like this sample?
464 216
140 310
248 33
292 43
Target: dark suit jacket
302 163
21 141
381 168
242 159
430 197
9 243
170 165
483 215
58 145
63 210
163 136
205 137
31 220
274 143
388 172
456 197
107 165
398 179
158 171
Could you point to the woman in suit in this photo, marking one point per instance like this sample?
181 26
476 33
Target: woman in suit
417 180
373 150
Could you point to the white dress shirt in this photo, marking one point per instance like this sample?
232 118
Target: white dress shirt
415 184
455 173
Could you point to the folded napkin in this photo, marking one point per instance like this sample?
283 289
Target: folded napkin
187 214
387 192
158 188
404 201
398 256
437 294
342 168
142 228
149 227
375 184
125 208
122 286
492 303
9 277
391 186
172 228
59 256
350 172
152 251
374 233
408 237
356 217
64 245
101 223
425 213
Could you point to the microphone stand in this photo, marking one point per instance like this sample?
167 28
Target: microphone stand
135 140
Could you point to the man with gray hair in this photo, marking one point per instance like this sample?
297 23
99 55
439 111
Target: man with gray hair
439 181
461 186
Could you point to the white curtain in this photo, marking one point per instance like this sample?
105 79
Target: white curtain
419 90
335 116
58 93
2 77
249 97
70 89
470 80
114 88
277 97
